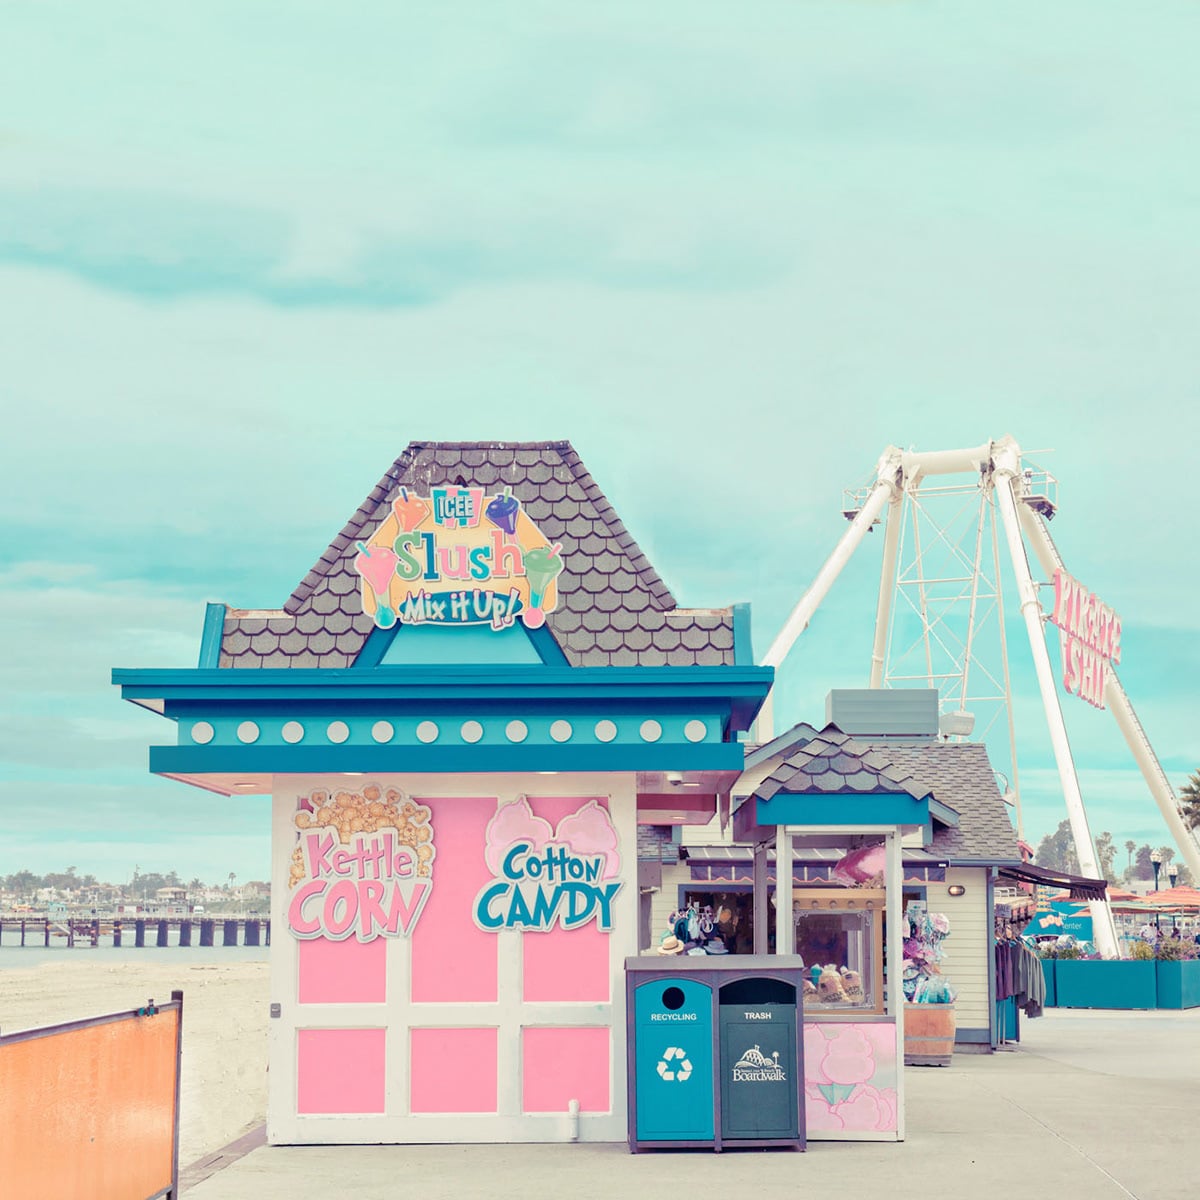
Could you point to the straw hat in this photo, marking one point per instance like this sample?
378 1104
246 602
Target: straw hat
671 945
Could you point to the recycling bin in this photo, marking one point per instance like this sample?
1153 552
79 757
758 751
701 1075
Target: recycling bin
674 1065
759 1060
715 1051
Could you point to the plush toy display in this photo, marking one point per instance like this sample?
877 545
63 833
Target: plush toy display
808 989
852 986
829 986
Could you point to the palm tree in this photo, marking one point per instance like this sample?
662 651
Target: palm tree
1130 847
1189 800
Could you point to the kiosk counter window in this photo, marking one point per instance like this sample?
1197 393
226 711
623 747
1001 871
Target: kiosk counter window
839 934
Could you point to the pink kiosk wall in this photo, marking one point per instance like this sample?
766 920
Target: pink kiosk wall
454 1033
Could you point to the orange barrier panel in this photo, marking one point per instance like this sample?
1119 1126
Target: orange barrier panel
90 1110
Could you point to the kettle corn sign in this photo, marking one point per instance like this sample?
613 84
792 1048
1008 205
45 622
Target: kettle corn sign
458 557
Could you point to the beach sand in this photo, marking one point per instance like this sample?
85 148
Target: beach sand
224 1080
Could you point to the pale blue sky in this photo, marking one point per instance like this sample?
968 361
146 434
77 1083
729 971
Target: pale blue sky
247 253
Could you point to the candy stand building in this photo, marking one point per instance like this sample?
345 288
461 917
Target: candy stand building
461 714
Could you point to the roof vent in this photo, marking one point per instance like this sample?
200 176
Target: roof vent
878 713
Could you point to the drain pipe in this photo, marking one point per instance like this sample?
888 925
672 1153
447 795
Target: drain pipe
572 1120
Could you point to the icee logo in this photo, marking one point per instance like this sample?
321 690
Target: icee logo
547 877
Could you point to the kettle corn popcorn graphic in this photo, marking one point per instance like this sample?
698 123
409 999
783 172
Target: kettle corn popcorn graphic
366 812
362 865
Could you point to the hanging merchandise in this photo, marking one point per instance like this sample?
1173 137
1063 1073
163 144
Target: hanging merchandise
697 930
923 981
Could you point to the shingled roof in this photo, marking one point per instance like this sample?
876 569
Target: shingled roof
834 762
957 774
614 609
960 774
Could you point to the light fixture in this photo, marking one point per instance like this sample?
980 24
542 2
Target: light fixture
956 889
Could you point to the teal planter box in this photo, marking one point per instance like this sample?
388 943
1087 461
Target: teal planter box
1048 965
1088 983
1178 984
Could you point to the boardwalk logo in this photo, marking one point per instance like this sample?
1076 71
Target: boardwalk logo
753 1067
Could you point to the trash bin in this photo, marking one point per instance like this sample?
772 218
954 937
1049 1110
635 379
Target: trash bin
715 1051
759 1060
674 1062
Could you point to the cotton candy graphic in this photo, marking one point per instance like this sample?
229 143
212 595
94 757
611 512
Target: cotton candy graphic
589 832
849 1058
815 1044
870 1109
819 1115
514 823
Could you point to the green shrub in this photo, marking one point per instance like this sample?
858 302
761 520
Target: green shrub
1171 949
1141 951
1053 950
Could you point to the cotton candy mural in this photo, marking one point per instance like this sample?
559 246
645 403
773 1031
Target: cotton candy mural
850 1078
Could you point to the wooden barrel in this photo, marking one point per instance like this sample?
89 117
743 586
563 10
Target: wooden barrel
928 1035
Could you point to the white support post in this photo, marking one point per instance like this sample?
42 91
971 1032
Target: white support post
894 881
1008 703
885 485
761 898
887 585
1007 469
920 565
785 927
1131 729
962 703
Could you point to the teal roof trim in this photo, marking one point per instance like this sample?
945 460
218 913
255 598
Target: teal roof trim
741 689
328 759
210 638
842 808
743 646
942 812
472 646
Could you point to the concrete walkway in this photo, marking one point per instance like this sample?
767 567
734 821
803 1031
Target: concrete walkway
1092 1105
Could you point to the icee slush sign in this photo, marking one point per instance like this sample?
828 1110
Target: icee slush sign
362 866
458 557
1090 638
546 877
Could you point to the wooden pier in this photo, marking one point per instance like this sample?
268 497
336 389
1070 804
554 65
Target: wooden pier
75 931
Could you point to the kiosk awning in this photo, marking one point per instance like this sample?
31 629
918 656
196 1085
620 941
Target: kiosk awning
735 864
1080 887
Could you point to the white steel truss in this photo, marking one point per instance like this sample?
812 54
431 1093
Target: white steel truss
940 614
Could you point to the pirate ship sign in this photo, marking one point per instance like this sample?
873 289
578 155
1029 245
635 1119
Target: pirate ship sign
458 557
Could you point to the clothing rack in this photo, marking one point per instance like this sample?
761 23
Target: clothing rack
1020 978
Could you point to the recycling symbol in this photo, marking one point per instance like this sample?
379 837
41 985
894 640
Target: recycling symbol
674 1065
